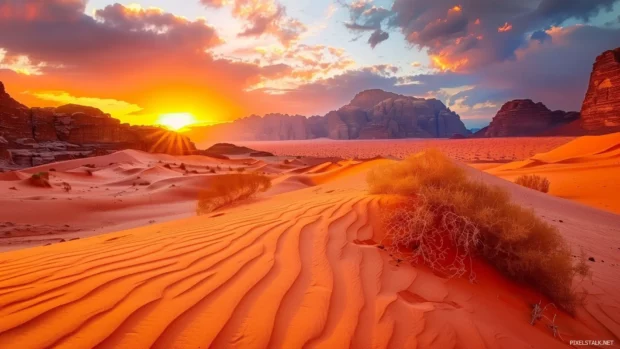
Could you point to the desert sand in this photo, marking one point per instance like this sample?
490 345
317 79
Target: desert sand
475 150
585 170
297 267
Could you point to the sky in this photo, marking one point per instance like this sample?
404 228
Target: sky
224 59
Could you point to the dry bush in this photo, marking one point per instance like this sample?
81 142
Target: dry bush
446 219
41 179
228 188
66 186
535 182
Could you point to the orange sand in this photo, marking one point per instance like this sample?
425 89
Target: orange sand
586 170
298 267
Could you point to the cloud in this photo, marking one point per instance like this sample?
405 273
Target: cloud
366 17
144 56
377 37
474 33
121 109
263 17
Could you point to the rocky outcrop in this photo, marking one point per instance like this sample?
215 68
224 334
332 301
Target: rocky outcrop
34 136
523 117
601 106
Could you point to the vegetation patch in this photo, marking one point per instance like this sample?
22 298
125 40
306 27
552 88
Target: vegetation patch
230 188
443 219
535 182
41 179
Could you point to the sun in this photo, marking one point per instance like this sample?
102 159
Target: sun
176 121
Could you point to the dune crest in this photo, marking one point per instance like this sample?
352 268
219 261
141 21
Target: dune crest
584 170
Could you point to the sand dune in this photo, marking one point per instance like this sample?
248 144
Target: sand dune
300 269
585 170
109 193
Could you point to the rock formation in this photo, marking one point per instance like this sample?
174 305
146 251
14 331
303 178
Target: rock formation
601 106
523 117
370 114
34 136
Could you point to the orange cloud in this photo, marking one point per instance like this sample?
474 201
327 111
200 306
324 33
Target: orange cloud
119 109
506 27
444 64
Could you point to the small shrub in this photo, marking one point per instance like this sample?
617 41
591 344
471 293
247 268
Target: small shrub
229 188
66 186
535 182
89 172
183 167
41 179
168 166
90 166
52 170
445 219
240 169
212 170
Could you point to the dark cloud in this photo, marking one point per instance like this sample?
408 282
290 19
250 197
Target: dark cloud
540 36
377 37
367 17
471 34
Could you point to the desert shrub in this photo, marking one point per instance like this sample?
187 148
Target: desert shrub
535 182
240 169
183 167
90 166
66 186
443 219
168 166
40 179
228 188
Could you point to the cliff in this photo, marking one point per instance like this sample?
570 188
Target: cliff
601 106
34 136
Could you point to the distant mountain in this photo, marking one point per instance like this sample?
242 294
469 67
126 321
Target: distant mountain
370 114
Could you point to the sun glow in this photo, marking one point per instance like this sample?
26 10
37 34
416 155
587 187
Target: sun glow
176 121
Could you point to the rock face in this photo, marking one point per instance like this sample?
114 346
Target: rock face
393 116
601 106
34 136
523 117
371 114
